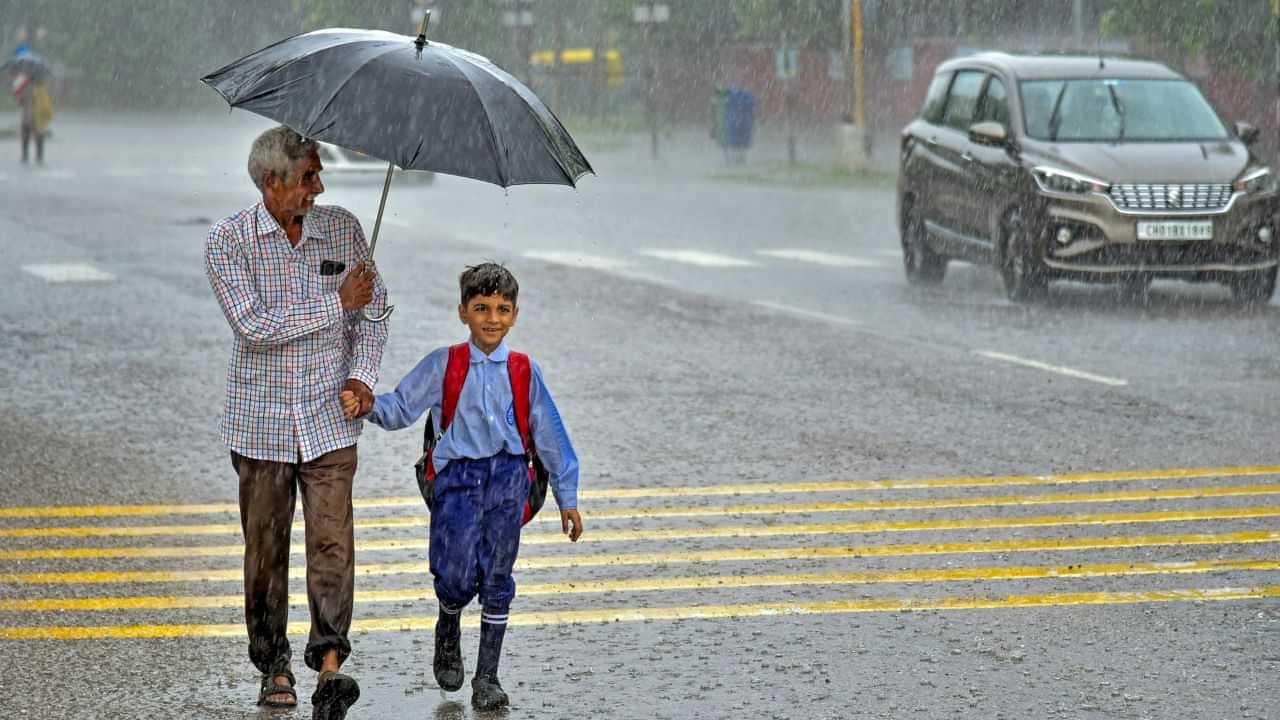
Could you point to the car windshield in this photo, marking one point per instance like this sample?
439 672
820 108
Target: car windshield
1115 110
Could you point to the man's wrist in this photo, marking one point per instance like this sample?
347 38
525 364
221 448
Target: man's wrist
366 382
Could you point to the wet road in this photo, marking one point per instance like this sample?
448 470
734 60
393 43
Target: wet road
811 492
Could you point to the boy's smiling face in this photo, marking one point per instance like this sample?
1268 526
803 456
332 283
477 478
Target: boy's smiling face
490 318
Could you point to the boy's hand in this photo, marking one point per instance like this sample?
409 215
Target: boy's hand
350 405
571 517
357 399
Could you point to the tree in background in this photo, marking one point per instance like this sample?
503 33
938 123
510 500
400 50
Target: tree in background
1235 33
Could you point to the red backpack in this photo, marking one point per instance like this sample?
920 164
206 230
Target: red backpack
455 375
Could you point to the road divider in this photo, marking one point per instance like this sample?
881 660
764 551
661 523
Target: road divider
770 610
790 509
1057 369
1161 475
688 533
674 584
556 562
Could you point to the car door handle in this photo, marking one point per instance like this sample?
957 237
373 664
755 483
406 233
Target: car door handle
966 157
933 141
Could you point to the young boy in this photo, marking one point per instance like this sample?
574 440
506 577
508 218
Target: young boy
482 475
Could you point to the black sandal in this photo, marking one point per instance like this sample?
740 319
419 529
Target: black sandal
334 694
269 687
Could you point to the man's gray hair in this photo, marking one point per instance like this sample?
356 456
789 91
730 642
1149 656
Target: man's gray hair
277 151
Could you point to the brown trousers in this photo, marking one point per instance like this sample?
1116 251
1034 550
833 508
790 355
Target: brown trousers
268 492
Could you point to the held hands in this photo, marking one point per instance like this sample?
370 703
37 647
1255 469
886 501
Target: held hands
357 399
357 289
571 517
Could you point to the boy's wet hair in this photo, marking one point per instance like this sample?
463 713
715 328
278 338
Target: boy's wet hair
488 279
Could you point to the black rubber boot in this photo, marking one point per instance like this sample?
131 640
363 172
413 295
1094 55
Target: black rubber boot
487 693
335 693
447 662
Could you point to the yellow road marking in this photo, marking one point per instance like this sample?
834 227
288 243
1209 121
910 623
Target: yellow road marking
668 558
871 577
755 509
693 612
68 511
603 536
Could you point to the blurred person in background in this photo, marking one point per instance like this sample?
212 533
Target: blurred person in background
30 76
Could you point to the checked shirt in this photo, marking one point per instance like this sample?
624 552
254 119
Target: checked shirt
293 344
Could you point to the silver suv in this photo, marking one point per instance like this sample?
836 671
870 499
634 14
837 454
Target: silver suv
1083 167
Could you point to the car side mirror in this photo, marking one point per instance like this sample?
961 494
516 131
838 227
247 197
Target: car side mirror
1248 134
988 133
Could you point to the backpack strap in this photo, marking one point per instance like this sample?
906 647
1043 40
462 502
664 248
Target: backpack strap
455 375
520 372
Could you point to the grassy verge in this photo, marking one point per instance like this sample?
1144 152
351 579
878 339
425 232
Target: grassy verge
807 175
602 134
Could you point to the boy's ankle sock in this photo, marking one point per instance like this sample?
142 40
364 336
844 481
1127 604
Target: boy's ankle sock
491 635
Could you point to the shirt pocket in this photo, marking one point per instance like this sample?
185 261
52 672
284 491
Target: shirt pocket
319 285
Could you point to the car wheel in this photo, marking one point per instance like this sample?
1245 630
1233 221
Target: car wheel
1019 260
922 265
1254 288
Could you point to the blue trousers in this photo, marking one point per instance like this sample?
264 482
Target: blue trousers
475 531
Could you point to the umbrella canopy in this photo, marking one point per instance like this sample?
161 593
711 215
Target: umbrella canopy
420 105
29 64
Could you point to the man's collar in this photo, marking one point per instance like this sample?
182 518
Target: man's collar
267 224
498 355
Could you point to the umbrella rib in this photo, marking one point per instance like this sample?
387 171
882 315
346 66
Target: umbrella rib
495 146
528 106
340 87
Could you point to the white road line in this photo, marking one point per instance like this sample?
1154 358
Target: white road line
821 258
697 257
579 260
68 272
811 314
125 172
889 253
1079 374
58 174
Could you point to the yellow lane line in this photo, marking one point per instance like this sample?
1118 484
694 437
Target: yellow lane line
692 612
69 511
663 512
688 533
670 558
872 577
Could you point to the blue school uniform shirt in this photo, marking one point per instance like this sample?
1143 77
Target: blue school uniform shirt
484 422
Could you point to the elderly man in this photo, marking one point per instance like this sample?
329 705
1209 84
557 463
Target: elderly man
291 278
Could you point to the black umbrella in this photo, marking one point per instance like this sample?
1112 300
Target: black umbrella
416 104
28 64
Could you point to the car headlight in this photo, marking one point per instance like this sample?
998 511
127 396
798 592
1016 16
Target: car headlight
1060 181
1258 181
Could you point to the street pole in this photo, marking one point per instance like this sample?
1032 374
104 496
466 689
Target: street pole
1275 115
859 67
649 15
1077 23
846 37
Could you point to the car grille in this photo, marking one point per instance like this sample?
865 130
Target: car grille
1171 197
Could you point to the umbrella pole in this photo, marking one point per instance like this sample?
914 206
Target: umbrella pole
382 204
377 225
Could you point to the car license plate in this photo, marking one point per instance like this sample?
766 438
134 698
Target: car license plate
1176 230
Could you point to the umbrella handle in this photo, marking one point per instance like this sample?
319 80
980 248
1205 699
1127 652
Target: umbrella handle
380 317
